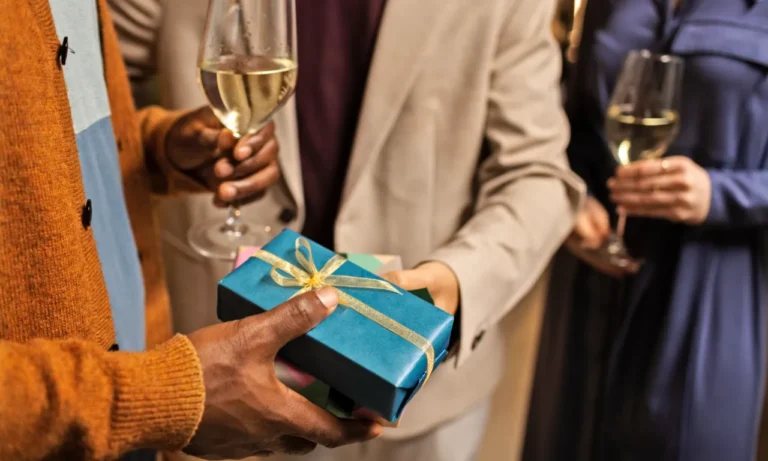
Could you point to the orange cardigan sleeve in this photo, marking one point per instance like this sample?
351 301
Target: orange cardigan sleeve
73 400
155 123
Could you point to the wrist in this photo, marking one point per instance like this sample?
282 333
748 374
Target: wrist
177 157
170 144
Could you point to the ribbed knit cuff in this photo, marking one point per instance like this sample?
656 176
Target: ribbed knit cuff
159 397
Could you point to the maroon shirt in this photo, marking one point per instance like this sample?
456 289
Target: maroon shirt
336 43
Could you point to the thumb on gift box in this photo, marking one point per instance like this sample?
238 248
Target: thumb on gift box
295 317
248 411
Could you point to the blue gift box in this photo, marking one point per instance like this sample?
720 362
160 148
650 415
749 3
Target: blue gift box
366 362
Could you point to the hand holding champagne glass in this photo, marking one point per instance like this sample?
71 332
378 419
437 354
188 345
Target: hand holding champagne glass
248 69
642 121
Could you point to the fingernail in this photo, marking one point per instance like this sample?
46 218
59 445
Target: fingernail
376 430
243 152
329 297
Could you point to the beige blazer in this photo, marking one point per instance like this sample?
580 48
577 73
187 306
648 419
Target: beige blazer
459 157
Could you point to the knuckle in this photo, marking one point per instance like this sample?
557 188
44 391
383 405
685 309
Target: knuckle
239 328
278 174
259 186
432 280
248 165
396 278
253 334
580 232
271 145
687 178
251 185
582 219
684 199
242 333
267 336
300 311
274 174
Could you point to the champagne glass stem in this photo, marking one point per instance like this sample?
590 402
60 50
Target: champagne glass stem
621 225
615 244
234 222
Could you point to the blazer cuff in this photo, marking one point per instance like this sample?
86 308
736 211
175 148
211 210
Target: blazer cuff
469 326
159 397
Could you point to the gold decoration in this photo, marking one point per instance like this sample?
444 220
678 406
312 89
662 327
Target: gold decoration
310 278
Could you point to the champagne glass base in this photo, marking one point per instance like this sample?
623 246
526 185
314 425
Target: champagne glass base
217 240
615 253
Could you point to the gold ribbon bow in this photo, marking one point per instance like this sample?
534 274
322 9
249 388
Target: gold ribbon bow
310 278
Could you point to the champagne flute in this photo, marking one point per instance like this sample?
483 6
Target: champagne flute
248 69
642 121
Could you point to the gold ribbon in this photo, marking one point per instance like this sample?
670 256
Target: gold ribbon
310 278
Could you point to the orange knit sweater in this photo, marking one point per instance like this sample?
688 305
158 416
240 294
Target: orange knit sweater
62 394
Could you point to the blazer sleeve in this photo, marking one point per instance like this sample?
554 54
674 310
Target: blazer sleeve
73 400
739 198
528 196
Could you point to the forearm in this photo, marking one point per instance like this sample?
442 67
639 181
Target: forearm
739 198
505 247
73 400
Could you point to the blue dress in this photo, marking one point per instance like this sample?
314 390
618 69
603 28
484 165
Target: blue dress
685 365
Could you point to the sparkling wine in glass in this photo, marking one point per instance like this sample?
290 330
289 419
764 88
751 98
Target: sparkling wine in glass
642 121
248 69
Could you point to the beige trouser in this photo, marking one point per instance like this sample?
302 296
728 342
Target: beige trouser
457 440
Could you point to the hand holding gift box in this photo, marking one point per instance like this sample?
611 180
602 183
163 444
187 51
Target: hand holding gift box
377 348
307 385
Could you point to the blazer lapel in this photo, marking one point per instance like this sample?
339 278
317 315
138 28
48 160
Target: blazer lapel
406 34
